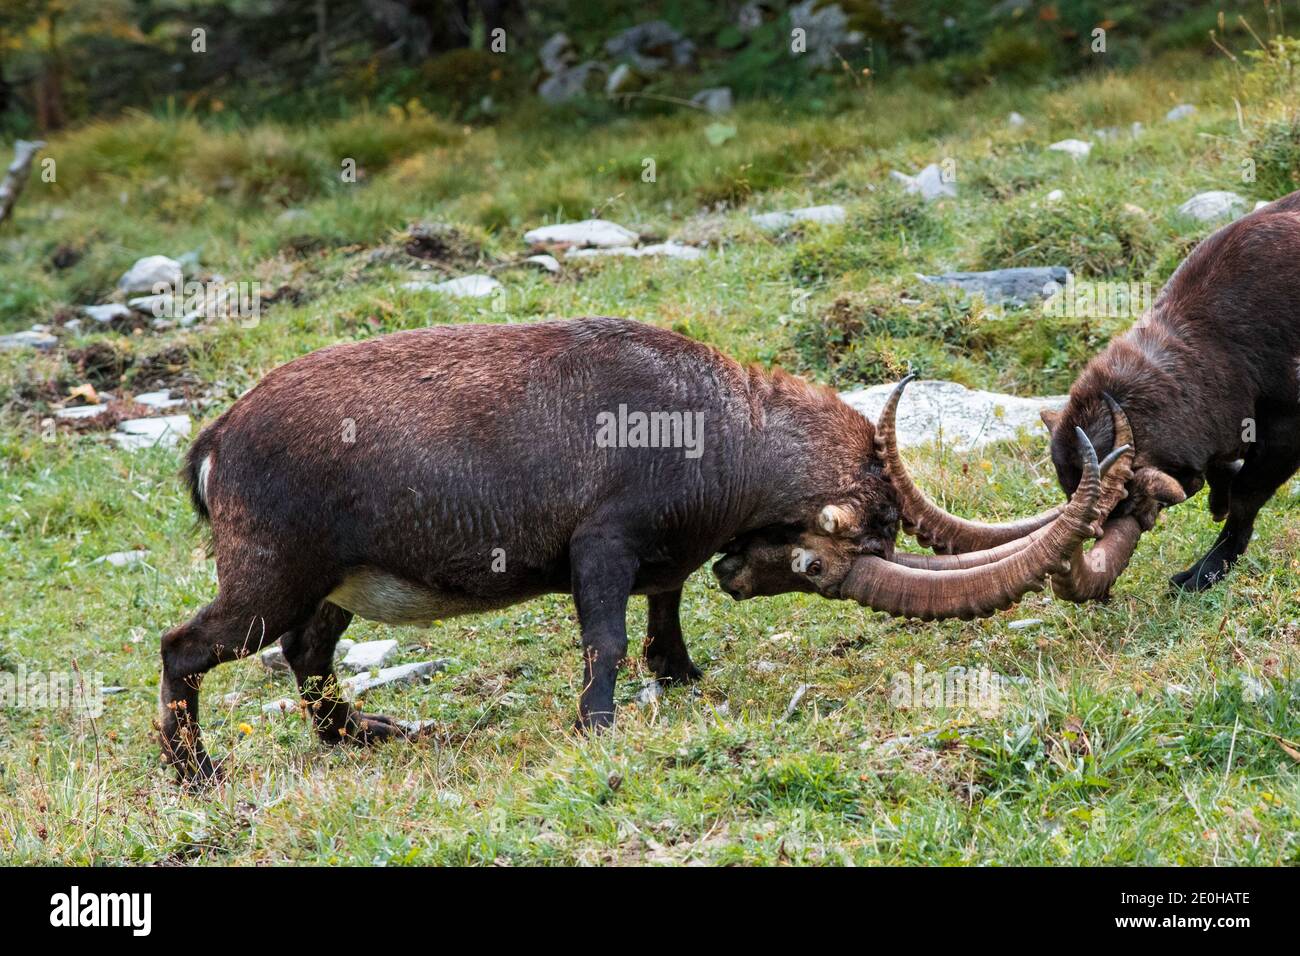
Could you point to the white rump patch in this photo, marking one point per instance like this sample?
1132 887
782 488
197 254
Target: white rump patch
205 470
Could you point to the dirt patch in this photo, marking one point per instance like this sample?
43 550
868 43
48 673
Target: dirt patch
440 242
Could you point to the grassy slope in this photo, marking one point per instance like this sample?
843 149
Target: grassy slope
1132 741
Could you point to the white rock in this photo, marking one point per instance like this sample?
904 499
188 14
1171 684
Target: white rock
1077 148
1181 111
28 340
776 221
148 272
162 399
164 432
122 559
106 314
464 287
622 76
549 263
671 250
368 655
1212 205
1260 204
281 707
929 182
1025 623
273 659
715 100
650 693
1253 690
401 674
81 411
1056 195
1015 120
965 418
589 232
155 305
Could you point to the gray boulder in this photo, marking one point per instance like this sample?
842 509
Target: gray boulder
651 47
826 30
1006 286
570 83
715 100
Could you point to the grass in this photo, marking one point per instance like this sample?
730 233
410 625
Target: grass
1153 729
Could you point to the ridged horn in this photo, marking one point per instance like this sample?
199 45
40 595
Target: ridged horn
977 592
930 524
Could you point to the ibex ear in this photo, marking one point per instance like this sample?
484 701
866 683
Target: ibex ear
1159 486
1050 418
835 519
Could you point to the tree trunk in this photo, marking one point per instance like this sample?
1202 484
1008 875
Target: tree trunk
16 176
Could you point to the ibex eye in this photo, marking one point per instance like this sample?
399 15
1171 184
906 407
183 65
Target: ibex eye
815 568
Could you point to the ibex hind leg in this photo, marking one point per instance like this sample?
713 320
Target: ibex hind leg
239 622
310 652
665 647
1273 460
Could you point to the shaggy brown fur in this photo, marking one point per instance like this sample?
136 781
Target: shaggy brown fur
449 470
1208 379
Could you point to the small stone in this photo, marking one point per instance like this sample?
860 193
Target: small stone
599 233
549 263
929 182
464 287
1260 204
149 272
765 666
1015 120
416 727
401 674
1025 623
777 221
1056 195
1007 286
160 399
164 432
28 340
273 660
622 79
649 693
77 412
1213 205
155 305
1253 690
1077 148
670 250
570 83
1181 111
106 314
122 559
556 53
281 707
715 99
368 655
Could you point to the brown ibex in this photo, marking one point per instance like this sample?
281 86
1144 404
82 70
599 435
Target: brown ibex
442 471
